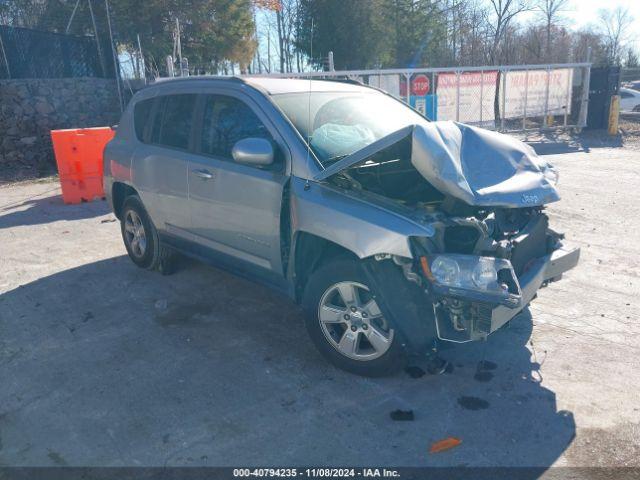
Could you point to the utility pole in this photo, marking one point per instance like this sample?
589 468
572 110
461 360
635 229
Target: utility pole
255 23
178 44
144 69
170 72
115 56
268 50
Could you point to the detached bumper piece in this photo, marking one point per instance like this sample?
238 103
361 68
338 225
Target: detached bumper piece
463 320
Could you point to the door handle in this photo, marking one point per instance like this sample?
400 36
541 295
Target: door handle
203 173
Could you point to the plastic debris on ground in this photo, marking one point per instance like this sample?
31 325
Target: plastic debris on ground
445 444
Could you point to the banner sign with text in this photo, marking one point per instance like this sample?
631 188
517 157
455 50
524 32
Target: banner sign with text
478 90
532 85
476 96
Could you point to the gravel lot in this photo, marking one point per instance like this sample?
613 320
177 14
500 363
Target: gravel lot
105 364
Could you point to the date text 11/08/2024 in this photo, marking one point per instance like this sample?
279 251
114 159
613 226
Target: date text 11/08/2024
317 472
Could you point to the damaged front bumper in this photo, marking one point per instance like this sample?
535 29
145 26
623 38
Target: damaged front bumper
460 319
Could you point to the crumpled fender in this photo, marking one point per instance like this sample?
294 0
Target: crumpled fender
364 228
404 302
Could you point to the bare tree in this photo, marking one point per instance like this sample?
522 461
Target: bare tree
502 13
280 16
587 44
286 18
551 11
459 32
615 28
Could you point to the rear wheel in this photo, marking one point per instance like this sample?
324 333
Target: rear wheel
141 237
345 322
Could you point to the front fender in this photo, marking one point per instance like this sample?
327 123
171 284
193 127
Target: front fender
364 228
404 302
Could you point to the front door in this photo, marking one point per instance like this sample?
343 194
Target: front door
235 208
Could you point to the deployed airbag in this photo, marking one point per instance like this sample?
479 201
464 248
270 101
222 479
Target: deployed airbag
332 138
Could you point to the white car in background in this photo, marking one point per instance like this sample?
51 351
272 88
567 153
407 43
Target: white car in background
629 100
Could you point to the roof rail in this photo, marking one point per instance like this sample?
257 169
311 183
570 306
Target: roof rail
201 77
352 81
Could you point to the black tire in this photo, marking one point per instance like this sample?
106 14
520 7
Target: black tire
345 269
155 255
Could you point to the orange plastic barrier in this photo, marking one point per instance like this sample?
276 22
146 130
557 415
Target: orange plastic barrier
79 157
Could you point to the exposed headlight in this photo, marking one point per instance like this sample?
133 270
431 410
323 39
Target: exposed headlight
445 270
484 273
470 276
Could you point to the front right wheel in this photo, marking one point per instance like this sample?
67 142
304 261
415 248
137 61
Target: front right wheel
345 323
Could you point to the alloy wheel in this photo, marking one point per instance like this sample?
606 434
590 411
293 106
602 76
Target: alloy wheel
352 322
135 234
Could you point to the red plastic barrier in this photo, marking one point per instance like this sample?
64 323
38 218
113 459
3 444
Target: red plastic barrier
79 157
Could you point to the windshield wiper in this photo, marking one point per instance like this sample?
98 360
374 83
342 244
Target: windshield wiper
335 159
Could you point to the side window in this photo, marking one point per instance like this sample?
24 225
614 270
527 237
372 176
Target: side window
173 120
141 113
227 120
156 127
624 94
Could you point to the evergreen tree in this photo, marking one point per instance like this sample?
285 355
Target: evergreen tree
354 30
212 31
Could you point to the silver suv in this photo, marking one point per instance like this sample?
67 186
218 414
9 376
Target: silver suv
394 233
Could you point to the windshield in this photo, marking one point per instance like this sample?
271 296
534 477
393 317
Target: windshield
341 123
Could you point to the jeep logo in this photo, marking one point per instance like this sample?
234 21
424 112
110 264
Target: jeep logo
529 198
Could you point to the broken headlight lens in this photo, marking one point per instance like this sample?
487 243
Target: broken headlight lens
473 278
484 273
445 270
467 272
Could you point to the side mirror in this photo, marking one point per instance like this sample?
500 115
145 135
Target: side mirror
253 151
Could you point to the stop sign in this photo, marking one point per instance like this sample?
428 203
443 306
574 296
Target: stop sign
420 85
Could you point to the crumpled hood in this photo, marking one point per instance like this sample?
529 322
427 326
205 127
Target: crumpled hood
477 166
482 167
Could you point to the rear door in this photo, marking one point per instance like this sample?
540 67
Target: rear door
160 166
235 208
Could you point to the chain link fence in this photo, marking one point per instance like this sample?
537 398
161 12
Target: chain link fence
507 98
27 53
